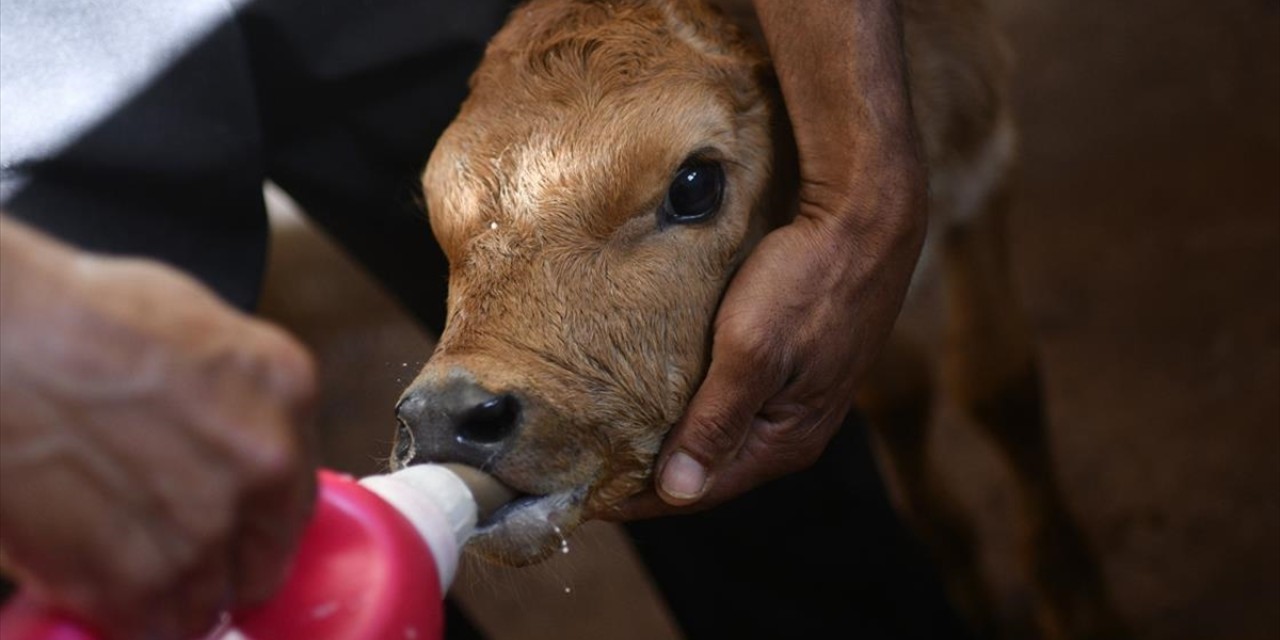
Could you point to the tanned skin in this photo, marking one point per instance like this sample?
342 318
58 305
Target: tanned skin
155 463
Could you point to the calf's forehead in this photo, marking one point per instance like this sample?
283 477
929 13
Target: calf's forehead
594 162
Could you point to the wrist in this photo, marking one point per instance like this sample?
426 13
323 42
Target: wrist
885 202
842 71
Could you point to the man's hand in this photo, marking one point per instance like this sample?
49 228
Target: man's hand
155 460
806 315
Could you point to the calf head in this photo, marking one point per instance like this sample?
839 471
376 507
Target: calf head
594 195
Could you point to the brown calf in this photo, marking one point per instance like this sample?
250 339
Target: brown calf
584 274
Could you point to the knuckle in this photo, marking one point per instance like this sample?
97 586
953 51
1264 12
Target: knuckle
274 462
713 435
794 445
288 368
748 345
271 460
782 438
296 374
740 335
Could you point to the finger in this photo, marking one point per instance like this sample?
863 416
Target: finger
106 561
272 518
133 598
641 506
714 426
265 545
277 503
787 441
203 597
647 505
262 556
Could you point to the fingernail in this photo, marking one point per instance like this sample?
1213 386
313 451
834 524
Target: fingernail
683 477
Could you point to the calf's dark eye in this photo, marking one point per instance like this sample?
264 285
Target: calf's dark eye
694 194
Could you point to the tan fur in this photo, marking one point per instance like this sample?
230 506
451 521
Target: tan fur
564 288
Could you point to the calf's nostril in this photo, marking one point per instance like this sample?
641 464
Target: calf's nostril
404 446
490 421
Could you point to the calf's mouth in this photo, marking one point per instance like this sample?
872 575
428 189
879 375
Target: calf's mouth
554 476
530 528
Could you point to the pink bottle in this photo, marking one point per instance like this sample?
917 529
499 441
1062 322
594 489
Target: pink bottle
373 564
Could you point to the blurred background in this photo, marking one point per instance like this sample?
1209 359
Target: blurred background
1147 247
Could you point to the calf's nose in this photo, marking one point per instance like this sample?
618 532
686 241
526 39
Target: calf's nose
490 421
456 420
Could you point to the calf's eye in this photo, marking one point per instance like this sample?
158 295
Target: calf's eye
694 194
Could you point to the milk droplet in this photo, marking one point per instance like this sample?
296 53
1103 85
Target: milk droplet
568 590
564 544
493 225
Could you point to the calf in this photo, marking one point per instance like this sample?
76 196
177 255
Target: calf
614 163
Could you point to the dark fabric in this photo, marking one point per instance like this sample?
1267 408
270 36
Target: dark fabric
340 103
175 174
352 105
818 554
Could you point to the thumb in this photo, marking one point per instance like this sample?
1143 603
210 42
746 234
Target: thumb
713 428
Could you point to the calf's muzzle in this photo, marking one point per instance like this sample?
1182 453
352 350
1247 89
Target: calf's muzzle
454 419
